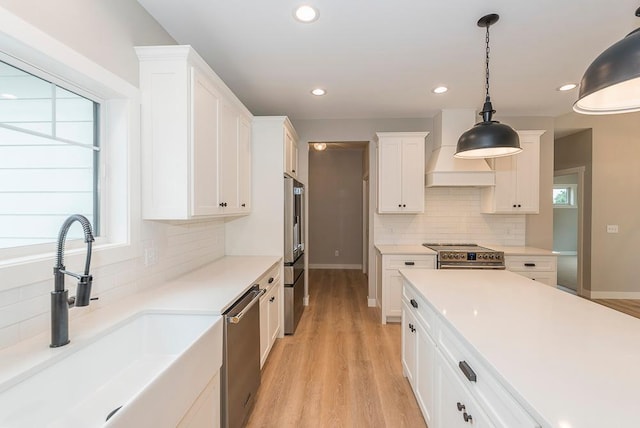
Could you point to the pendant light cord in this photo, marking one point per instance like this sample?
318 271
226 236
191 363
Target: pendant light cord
487 62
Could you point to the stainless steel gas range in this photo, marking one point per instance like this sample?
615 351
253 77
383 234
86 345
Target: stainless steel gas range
466 256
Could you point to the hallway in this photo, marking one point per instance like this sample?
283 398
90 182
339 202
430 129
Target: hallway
342 367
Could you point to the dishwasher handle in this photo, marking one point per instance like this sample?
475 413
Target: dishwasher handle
235 319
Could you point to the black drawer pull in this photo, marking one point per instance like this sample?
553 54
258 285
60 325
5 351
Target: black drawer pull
414 303
468 371
467 417
272 299
409 263
270 280
460 406
530 264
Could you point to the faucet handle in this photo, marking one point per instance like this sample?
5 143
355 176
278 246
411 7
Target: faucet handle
83 292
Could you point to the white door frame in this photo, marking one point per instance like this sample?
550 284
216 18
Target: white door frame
580 172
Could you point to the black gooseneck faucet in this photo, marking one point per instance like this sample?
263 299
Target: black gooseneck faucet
60 301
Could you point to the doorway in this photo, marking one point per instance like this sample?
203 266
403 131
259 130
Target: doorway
337 200
568 219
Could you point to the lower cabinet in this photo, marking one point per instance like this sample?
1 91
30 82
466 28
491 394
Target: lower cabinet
539 268
270 310
391 280
452 386
456 406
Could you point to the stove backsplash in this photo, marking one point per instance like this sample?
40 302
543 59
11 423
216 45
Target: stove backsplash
452 214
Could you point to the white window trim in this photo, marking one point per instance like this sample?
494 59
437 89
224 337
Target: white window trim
120 145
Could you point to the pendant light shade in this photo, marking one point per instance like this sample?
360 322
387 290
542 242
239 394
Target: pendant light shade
611 83
489 138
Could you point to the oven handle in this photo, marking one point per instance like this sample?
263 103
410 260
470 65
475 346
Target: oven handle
238 317
471 267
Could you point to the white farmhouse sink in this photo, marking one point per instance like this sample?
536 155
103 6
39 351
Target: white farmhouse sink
153 364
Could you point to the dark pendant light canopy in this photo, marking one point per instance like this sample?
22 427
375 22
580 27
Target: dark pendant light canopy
611 84
489 138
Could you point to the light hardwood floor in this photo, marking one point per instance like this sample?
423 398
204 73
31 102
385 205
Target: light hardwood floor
631 307
342 367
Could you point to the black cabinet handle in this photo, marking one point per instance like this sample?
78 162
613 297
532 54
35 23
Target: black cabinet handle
518 207
272 299
468 371
244 205
221 204
530 264
460 406
409 263
467 417
270 280
293 170
414 303
404 205
514 205
399 205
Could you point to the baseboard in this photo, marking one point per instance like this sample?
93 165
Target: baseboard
613 294
371 303
336 266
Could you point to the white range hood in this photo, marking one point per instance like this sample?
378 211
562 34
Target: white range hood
445 170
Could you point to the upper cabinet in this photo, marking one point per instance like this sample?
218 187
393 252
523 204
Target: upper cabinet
196 138
517 186
401 172
290 151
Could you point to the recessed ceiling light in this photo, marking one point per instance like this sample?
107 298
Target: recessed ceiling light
306 14
320 146
440 90
318 92
567 87
9 96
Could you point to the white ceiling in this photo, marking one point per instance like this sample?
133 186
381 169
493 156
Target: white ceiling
381 58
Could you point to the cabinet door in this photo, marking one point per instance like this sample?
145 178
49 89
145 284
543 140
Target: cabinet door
264 329
408 344
425 373
506 183
413 175
528 177
228 161
274 313
390 175
290 154
391 294
204 176
244 164
452 395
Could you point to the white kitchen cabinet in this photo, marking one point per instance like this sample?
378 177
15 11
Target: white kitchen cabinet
517 185
456 407
195 135
290 152
401 172
433 358
205 411
540 268
270 310
391 280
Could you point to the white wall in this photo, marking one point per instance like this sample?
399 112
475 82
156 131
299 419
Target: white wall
105 32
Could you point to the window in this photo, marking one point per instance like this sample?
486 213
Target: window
564 196
49 158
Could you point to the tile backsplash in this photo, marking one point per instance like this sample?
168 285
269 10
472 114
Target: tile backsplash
179 247
452 214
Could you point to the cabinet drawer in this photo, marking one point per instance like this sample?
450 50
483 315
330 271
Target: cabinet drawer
525 264
269 279
497 402
419 308
409 261
548 278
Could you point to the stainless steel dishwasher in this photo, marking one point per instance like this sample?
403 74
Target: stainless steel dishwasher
240 377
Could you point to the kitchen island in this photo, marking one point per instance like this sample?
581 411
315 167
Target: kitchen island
539 356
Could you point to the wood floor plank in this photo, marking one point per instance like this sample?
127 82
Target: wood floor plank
342 368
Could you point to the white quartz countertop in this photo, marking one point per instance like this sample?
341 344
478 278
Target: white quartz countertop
573 361
520 251
416 249
210 289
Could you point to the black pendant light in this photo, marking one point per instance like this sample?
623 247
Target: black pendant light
611 84
489 138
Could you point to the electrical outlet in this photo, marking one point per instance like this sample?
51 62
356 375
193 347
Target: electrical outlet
337 253
612 228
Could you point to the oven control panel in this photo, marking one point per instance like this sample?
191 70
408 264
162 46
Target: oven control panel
489 256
